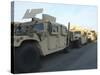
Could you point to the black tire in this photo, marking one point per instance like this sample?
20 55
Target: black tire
66 50
76 44
89 40
79 44
27 58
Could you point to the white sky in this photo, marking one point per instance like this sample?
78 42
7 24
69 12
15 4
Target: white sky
75 14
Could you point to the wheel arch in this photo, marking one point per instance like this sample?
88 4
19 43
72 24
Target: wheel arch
32 42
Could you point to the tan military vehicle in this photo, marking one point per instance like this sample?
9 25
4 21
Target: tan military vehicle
77 36
92 36
36 38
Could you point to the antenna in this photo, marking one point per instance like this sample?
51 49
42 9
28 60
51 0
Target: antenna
31 13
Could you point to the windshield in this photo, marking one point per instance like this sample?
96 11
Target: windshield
28 29
77 32
38 27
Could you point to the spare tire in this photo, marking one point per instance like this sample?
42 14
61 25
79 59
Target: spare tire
27 58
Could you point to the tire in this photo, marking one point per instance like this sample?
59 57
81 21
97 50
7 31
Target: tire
27 58
79 44
89 40
76 44
66 50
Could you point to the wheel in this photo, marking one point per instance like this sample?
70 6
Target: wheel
66 50
76 44
27 58
89 40
79 44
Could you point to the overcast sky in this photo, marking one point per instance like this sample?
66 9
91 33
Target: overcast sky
75 14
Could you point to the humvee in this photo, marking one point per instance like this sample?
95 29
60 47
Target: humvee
77 37
36 38
92 36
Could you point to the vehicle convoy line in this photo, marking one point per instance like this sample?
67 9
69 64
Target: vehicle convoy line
42 37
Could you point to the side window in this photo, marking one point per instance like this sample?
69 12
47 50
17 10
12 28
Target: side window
54 28
84 33
64 30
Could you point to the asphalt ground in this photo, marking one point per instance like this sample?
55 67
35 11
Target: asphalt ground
77 59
